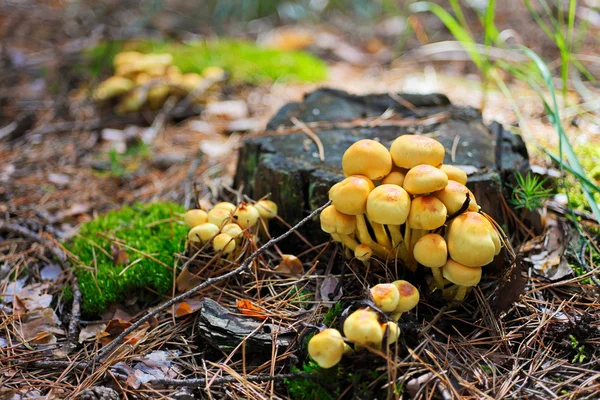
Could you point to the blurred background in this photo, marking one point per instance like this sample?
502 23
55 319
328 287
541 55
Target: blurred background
54 54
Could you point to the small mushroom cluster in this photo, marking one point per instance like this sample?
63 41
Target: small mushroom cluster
397 204
148 80
224 224
363 327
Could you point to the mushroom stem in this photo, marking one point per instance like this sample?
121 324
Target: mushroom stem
438 278
381 234
398 242
347 241
460 293
363 236
415 235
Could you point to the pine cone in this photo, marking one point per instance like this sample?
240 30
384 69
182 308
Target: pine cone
99 393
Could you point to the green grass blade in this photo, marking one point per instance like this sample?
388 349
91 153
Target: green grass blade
563 139
455 28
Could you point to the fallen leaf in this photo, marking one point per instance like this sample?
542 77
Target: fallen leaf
185 280
116 326
290 264
119 255
188 307
91 331
156 365
546 254
246 307
331 290
34 298
50 272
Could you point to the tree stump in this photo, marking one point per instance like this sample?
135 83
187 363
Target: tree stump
285 161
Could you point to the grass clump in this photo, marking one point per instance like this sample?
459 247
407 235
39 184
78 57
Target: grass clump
155 234
245 61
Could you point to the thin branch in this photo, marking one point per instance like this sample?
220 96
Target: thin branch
73 332
211 281
226 379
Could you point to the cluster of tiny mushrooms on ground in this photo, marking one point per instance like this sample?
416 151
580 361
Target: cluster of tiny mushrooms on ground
403 204
149 80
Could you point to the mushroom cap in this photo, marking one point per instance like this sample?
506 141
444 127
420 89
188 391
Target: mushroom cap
223 243
431 251
126 57
326 348
219 216
246 215
409 296
362 327
350 195
388 204
203 232
393 331
496 240
367 157
362 252
385 296
394 178
424 179
454 173
333 221
409 151
226 206
453 196
267 209
290 264
426 212
112 87
195 217
460 274
470 240
233 230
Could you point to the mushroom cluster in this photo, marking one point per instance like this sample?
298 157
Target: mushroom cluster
406 204
364 327
223 226
142 80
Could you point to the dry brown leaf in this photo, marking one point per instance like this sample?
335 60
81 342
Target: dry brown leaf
246 307
187 307
119 256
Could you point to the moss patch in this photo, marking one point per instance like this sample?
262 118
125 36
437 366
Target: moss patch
244 61
149 229
589 157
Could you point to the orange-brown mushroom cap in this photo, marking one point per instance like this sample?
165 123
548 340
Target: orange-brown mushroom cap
350 195
388 204
425 179
431 251
409 296
362 327
326 348
335 222
454 173
460 274
454 195
427 213
367 157
409 151
470 240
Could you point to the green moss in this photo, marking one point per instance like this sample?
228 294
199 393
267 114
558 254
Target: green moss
589 157
244 61
333 313
150 229
324 384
